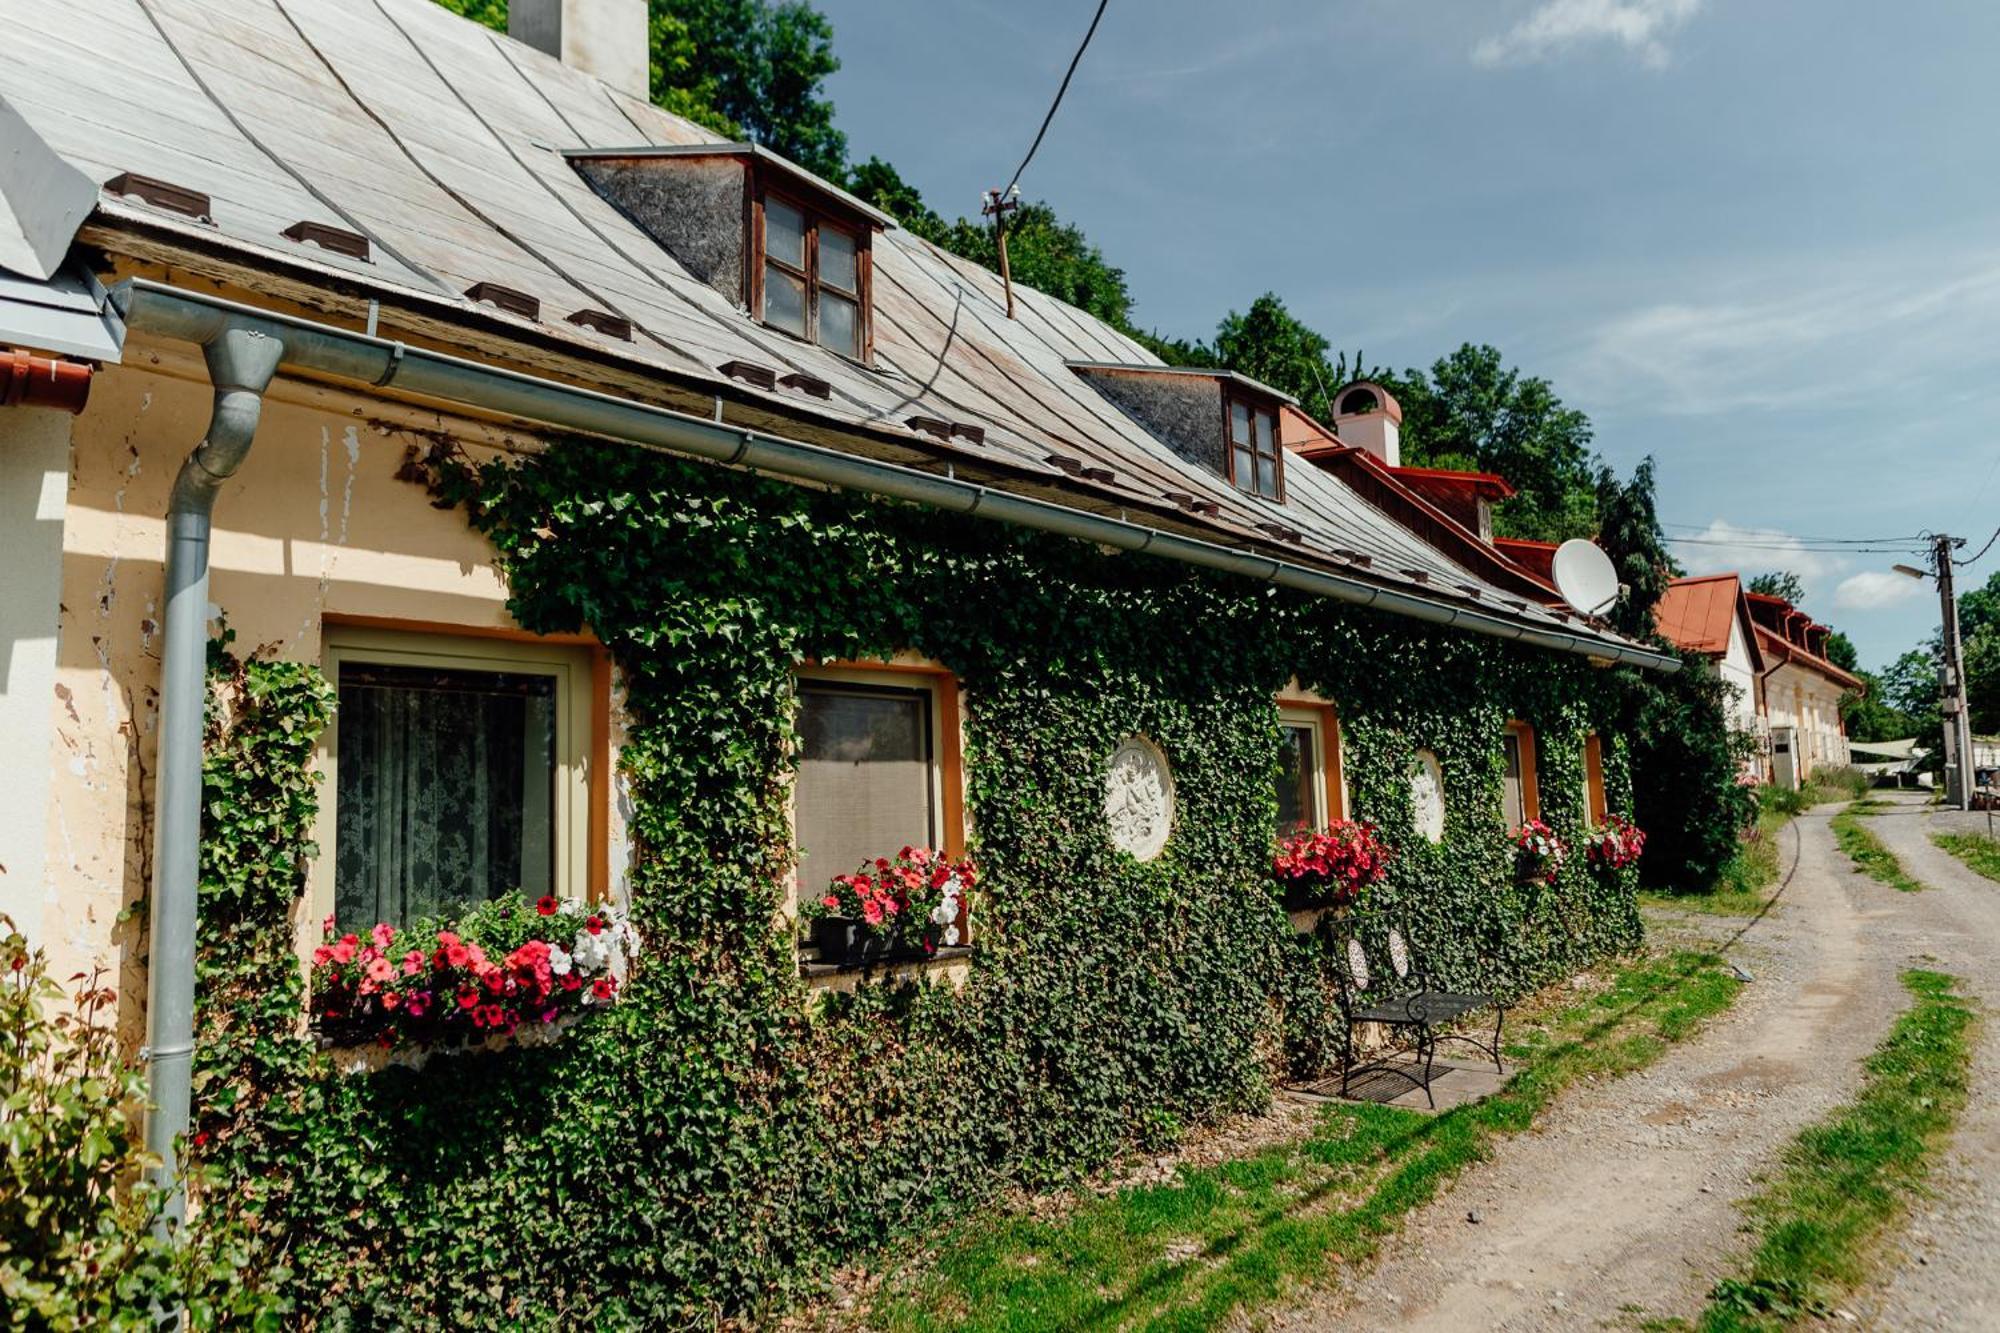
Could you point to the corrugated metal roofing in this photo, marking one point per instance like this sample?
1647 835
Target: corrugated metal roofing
443 144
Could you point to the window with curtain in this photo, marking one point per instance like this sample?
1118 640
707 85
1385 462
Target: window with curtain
446 789
866 783
1298 777
1510 788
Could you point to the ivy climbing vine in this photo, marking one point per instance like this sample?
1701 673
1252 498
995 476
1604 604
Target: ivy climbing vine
716 1141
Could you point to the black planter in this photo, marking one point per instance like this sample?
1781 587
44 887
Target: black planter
846 941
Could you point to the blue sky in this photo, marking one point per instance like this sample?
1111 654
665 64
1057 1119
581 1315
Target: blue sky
1757 239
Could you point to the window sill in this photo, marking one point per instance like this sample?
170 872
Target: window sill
952 965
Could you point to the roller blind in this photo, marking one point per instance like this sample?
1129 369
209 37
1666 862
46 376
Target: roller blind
864 787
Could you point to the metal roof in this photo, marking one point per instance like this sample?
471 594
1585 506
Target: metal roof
445 146
756 152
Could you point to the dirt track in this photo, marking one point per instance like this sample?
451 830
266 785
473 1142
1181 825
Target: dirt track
1622 1204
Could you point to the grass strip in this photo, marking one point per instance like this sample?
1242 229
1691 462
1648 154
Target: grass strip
1189 1253
1870 857
1847 1178
1746 882
1979 852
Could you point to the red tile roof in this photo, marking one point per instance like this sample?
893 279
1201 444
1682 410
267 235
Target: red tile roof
1777 648
1483 484
1695 613
1538 558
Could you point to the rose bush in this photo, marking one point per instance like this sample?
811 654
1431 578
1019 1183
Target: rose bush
1331 868
503 964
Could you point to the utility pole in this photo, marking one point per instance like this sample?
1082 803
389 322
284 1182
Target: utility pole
997 204
1960 771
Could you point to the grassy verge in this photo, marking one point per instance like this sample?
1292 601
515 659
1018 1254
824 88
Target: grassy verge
1870 857
1982 854
1848 1177
1188 1254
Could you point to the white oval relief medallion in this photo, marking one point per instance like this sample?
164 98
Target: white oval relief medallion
1427 796
1139 798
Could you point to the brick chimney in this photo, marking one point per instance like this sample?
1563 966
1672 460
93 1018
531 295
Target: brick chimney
1366 416
605 39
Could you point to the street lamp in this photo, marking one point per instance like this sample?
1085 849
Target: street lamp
1912 571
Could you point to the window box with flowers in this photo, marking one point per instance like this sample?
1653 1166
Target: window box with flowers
501 966
892 909
1331 868
1614 844
1539 853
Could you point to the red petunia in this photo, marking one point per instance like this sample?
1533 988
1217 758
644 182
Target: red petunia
546 905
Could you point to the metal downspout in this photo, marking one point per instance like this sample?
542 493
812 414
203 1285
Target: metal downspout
241 362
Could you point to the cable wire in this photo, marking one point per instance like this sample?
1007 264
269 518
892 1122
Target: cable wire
1982 550
1074 61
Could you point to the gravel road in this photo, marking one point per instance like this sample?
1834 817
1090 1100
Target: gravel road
1621 1205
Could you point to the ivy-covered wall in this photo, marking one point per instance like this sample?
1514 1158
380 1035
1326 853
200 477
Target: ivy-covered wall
714 1142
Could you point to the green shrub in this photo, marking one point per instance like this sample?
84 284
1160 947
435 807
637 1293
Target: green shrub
80 1242
1847 783
1687 765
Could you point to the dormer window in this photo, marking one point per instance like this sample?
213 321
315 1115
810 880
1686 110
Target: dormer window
1222 422
789 249
813 278
1256 464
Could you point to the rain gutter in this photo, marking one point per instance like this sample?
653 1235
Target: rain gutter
170 312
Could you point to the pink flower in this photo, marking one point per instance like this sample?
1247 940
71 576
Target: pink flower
413 962
381 971
382 934
322 956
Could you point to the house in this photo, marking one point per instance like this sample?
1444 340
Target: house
1710 614
1774 658
673 533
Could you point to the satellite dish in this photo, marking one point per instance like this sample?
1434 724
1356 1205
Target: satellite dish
1585 576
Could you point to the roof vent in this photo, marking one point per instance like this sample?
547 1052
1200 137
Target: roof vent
339 240
1193 505
611 326
1283 532
1354 557
930 426
1417 574
810 385
969 432
762 377
161 194
1073 466
505 298
1098 474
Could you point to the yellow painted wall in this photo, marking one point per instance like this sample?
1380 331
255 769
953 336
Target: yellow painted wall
314 523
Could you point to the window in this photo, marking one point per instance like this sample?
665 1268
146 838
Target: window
812 277
874 747
1594 803
1519 793
1256 464
1309 752
455 774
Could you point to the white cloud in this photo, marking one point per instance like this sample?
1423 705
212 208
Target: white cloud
1556 27
1873 589
1724 548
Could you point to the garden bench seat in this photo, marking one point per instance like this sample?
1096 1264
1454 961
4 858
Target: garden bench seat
1417 1007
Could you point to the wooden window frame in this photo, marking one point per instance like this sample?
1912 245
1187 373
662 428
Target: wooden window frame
1531 787
947 749
1254 405
1329 781
582 669
1595 804
816 216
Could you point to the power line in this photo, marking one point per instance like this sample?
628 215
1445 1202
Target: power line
1982 550
1074 61
1794 546
1774 534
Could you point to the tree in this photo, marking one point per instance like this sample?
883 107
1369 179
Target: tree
1869 716
1471 410
878 183
1840 652
1910 686
1269 343
1686 765
1780 583
1628 528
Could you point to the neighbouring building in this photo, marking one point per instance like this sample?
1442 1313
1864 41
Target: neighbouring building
674 532
1773 656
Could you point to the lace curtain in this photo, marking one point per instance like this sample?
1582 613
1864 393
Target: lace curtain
445 791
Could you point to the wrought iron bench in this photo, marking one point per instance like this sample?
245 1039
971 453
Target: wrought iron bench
1417 1006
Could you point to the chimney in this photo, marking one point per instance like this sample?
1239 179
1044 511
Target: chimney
606 39
1367 417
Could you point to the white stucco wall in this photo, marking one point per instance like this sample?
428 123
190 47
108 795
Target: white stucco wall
34 488
1737 670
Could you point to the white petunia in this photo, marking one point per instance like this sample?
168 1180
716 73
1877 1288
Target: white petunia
559 962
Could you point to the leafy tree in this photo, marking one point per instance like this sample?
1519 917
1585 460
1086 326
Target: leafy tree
1840 652
1629 531
1472 410
1269 343
1869 716
1686 762
1910 686
1780 583
877 182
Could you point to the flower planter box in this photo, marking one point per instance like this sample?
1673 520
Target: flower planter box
847 942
